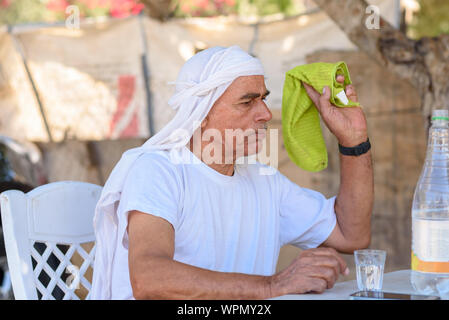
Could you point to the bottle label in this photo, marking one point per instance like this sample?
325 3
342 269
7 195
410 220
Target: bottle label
430 245
428 266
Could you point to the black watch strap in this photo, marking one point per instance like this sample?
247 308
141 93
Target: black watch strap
357 150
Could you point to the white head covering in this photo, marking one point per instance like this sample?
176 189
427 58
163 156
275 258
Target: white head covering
201 81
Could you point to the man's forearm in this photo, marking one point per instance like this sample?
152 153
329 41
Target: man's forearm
169 279
354 202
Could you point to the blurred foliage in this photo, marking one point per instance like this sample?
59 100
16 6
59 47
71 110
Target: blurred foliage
17 11
204 8
22 11
431 20
267 7
207 8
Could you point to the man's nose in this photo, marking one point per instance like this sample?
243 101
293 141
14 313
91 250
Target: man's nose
263 114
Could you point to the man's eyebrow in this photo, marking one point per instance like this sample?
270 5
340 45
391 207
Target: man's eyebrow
254 95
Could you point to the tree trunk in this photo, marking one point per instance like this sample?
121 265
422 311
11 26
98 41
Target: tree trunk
158 9
424 63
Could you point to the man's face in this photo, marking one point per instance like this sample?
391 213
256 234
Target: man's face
239 115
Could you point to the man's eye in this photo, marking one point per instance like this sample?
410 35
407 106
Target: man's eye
247 102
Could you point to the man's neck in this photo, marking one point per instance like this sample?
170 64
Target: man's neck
223 168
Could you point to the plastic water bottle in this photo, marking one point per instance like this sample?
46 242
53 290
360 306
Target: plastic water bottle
430 214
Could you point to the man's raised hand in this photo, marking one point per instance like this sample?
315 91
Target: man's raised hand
347 124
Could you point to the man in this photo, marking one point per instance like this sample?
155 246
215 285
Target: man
171 228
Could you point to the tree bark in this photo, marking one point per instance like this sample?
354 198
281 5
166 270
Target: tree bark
424 63
158 9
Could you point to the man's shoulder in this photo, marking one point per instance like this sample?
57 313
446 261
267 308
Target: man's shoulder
151 167
155 160
154 155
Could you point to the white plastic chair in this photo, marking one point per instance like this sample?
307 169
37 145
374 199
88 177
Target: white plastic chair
49 239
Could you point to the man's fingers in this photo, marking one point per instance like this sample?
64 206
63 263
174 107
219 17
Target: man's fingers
311 91
317 285
326 273
343 266
313 95
350 92
332 253
329 263
324 99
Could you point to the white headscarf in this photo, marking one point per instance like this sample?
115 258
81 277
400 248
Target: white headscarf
201 81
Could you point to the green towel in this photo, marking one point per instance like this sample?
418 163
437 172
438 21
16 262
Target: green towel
301 129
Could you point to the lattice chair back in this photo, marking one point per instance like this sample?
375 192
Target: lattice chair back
49 239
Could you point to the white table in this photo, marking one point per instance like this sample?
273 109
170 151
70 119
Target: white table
397 282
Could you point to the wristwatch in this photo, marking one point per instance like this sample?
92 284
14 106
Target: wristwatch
357 150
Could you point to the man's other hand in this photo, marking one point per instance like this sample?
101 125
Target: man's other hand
313 271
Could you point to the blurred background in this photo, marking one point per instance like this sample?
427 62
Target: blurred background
81 81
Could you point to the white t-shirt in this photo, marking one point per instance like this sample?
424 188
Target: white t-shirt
224 223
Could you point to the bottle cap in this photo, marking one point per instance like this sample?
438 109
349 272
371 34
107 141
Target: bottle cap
440 114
